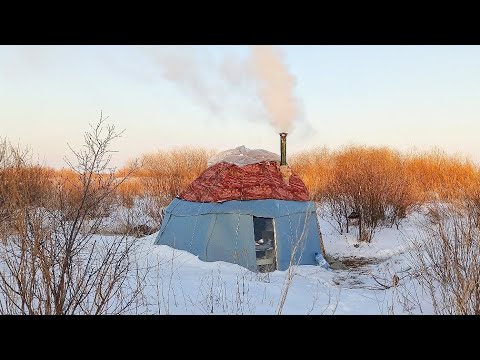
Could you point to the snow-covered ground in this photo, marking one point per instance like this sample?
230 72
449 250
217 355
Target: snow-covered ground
372 278
179 283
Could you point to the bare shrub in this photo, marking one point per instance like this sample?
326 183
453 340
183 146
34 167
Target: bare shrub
445 259
435 175
160 177
383 185
21 184
54 263
315 168
371 182
472 200
167 173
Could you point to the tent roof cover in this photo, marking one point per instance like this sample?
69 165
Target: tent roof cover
244 174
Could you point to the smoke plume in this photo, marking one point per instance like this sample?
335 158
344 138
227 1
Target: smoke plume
275 87
190 72
259 86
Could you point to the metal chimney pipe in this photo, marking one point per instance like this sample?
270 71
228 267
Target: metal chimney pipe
283 148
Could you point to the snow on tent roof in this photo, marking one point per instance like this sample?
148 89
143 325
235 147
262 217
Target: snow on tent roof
226 181
242 156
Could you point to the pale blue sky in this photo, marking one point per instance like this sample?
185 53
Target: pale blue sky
402 96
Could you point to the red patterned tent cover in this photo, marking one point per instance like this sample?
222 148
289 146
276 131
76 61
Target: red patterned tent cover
225 181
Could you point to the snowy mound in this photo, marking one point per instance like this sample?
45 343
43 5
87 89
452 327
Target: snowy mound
242 156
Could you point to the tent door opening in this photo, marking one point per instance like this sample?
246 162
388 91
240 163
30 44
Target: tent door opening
265 249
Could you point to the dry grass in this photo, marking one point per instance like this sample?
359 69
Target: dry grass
428 175
22 184
316 168
436 175
165 174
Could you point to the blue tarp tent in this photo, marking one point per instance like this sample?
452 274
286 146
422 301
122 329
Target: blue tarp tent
225 231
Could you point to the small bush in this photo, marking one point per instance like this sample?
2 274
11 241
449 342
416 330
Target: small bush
445 259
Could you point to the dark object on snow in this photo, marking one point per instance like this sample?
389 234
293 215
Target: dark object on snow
354 215
353 219
142 230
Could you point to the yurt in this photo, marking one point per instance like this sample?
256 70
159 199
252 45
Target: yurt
246 208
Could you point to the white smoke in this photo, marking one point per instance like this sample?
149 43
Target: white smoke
259 86
185 67
275 86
